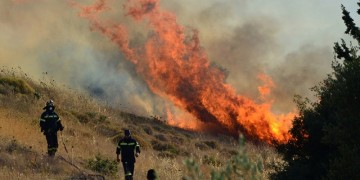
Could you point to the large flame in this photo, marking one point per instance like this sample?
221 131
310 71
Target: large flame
176 67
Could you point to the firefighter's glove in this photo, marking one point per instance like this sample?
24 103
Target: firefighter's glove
137 154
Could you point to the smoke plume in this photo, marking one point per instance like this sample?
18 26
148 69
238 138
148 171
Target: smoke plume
235 53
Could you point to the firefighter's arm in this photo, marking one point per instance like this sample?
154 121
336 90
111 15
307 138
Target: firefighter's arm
42 124
137 149
118 151
61 127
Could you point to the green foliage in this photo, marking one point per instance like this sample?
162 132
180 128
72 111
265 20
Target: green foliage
211 160
16 85
326 134
102 165
88 117
239 166
165 148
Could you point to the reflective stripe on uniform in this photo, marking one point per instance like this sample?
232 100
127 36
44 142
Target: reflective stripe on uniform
43 120
127 144
52 149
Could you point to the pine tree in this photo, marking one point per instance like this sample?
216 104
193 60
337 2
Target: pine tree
326 134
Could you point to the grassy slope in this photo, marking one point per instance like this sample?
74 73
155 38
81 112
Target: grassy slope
91 129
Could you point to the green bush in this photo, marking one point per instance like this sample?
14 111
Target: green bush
239 166
165 147
102 165
325 135
16 85
211 160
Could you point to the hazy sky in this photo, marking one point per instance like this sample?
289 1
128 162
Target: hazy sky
289 40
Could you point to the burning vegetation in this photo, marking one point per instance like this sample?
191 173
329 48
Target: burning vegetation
176 67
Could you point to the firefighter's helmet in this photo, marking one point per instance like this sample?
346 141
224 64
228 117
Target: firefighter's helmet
127 132
49 105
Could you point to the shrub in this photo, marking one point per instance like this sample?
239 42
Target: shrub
239 166
177 140
102 165
211 160
201 146
211 144
166 154
165 147
12 146
107 130
148 130
17 85
161 137
101 119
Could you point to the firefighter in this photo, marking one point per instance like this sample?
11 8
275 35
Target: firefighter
50 124
128 148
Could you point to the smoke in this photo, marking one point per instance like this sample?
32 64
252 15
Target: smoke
48 36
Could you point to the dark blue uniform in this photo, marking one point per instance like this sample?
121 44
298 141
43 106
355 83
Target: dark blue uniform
127 148
50 124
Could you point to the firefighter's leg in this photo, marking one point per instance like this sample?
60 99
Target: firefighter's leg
52 144
128 175
55 145
49 143
131 167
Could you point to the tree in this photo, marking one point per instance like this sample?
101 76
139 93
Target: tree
326 133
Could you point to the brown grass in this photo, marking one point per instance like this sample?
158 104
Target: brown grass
92 128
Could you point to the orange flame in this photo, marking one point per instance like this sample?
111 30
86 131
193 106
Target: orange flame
266 88
175 67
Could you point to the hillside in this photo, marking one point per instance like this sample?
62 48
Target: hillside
91 132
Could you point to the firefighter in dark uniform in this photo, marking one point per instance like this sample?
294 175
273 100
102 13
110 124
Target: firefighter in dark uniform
50 124
128 148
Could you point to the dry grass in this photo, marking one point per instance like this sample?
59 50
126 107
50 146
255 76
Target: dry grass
92 128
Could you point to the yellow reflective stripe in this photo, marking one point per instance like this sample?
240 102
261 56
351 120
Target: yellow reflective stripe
42 120
131 144
123 144
119 147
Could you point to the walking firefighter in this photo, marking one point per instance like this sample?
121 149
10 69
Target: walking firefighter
50 124
129 148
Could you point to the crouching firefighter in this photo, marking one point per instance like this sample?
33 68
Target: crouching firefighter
50 124
128 148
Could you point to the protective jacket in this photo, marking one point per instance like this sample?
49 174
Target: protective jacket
50 122
127 147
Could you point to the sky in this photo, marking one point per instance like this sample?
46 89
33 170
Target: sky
290 41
